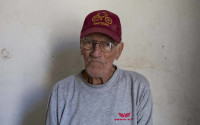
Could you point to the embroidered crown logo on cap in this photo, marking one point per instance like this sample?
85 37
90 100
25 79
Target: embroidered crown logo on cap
102 21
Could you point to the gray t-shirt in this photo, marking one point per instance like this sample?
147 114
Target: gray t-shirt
123 100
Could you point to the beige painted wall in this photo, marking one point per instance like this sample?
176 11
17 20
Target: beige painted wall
39 45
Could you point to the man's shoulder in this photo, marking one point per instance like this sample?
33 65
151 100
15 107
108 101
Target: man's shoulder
132 74
135 77
65 83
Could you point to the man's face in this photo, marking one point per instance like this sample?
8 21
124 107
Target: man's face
98 63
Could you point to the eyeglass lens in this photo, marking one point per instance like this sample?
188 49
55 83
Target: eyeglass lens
105 46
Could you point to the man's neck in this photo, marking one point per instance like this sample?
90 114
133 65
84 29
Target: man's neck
97 80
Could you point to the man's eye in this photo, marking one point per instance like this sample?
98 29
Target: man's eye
89 42
109 44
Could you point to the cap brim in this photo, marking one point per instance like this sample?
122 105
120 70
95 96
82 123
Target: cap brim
101 30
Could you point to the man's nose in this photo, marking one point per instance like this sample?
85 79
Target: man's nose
96 52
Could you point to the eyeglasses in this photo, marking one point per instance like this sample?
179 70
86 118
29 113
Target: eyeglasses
105 46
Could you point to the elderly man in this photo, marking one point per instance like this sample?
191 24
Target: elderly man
101 94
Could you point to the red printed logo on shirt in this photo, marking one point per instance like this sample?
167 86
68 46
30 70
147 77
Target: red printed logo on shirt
124 116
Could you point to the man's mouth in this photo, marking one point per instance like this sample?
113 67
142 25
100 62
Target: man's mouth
95 62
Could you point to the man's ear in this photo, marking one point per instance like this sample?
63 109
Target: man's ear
81 50
120 48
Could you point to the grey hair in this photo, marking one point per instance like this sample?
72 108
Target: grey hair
83 38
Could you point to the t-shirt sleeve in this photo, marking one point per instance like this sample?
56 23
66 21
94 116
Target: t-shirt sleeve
144 104
51 115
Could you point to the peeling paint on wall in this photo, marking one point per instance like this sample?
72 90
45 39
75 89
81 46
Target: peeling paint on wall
5 54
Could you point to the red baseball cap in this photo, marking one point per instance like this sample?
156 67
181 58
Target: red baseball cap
102 21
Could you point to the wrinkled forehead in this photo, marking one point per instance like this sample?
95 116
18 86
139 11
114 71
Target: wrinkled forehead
98 37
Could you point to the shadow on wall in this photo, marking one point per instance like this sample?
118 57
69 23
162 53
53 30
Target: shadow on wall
65 60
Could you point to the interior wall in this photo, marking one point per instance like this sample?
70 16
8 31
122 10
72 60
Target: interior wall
39 45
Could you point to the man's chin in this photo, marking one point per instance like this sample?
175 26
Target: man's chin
95 72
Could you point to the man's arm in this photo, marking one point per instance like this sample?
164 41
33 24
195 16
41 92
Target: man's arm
51 116
144 104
